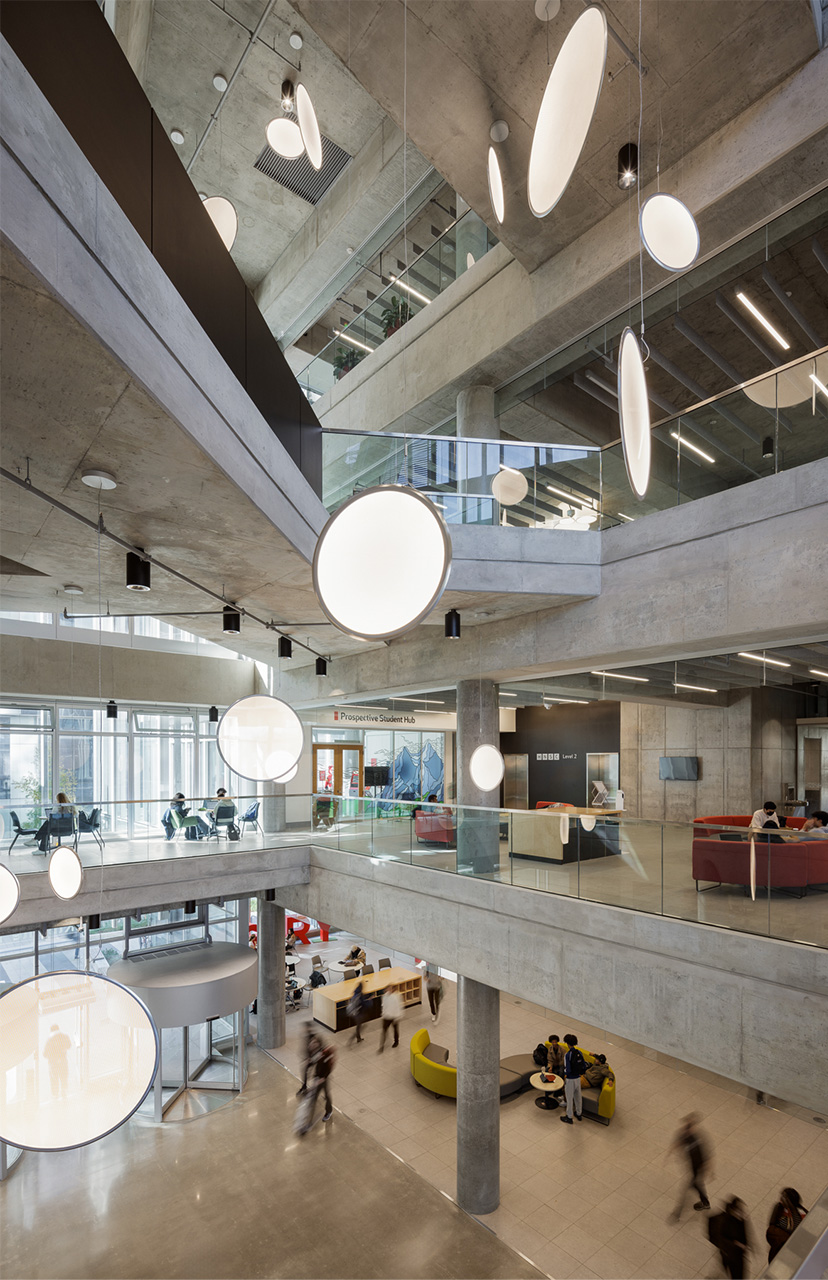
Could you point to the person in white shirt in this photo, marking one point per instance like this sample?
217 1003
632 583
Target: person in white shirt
816 828
392 1010
766 816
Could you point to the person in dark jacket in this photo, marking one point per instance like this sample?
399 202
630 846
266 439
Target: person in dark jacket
729 1232
785 1217
690 1143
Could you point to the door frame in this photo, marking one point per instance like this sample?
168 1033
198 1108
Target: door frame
338 748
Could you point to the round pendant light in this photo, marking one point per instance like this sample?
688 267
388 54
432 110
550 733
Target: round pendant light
9 893
634 412
487 767
588 821
382 562
260 738
566 110
65 872
224 218
669 232
509 487
289 776
79 1054
496 196
791 387
563 828
309 126
285 138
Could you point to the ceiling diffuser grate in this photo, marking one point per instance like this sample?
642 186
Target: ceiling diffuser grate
299 175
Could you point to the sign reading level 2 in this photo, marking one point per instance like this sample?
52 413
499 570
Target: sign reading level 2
556 755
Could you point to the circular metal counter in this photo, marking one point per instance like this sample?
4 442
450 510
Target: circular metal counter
182 988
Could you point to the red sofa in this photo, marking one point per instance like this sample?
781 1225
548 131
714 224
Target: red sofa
435 828
719 860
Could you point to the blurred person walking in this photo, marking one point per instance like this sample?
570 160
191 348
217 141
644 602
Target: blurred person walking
689 1142
728 1231
392 1011
785 1217
434 987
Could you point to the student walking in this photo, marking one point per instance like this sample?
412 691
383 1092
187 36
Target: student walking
434 988
323 1065
392 1010
728 1231
689 1142
574 1068
357 1010
785 1217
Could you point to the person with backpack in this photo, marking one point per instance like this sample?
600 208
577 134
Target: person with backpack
690 1143
324 1056
574 1068
555 1056
357 1010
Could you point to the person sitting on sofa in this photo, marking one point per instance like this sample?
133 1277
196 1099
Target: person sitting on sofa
766 816
555 1055
816 827
597 1073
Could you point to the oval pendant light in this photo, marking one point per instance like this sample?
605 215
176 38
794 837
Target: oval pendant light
495 177
669 232
224 218
509 487
260 738
309 126
382 562
634 413
65 871
87 1050
588 821
567 110
9 893
285 138
486 767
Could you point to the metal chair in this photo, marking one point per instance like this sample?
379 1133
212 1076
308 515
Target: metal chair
61 825
20 830
91 825
251 817
181 823
317 964
349 973
223 818
385 963
366 969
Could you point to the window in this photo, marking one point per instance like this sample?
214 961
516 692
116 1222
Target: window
120 625
25 763
26 617
158 630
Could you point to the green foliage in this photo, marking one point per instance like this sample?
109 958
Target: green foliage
396 314
344 359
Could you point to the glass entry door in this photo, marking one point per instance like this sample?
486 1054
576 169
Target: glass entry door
337 769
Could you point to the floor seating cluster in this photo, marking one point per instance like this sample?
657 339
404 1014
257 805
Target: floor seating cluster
723 857
431 1070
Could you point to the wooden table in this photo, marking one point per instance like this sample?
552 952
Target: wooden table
330 1003
553 1084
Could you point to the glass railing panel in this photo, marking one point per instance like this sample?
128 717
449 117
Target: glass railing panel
707 878
543 851
621 862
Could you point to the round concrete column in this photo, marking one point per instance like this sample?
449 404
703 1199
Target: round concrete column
271 998
478 833
272 815
476 413
478 1096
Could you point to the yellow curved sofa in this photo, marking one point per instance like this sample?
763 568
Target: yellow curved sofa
602 1105
438 1077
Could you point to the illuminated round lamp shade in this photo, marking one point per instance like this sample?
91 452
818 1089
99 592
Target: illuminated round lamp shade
793 386
510 487
487 767
669 232
382 562
289 776
566 111
285 137
78 1054
224 218
260 738
634 412
563 823
588 822
309 126
496 196
9 893
65 872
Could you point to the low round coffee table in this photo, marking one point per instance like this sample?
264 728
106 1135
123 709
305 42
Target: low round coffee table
553 1084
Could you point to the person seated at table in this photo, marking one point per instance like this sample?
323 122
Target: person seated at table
816 827
63 808
766 816
597 1072
555 1054
290 941
356 956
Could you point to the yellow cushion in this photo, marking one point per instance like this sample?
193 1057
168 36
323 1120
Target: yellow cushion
431 1075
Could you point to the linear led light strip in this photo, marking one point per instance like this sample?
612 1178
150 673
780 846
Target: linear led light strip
764 321
814 671
697 688
623 517
438 702
355 342
581 702
414 293
688 445
571 497
616 675
821 385
760 657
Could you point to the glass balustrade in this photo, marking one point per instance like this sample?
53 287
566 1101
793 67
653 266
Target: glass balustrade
400 298
711 875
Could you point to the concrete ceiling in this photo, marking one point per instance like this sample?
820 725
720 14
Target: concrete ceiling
470 64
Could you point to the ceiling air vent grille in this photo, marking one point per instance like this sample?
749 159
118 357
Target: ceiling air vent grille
299 175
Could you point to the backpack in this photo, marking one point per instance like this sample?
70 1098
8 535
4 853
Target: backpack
318 979
354 1005
327 1059
233 832
576 1066
539 1056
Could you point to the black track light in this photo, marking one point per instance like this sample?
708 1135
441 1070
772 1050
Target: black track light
93 922
321 666
213 715
452 625
285 647
189 907
628 166
112 709
137 572
767 447
231 624
270 895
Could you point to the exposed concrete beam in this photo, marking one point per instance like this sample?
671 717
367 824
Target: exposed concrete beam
133 30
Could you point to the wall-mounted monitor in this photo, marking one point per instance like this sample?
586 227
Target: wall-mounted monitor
377 775
678 768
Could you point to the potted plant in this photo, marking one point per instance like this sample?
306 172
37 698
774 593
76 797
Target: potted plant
395 315
344 359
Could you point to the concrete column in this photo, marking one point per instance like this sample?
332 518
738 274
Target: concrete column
478 1096
271 998
477 464
476 413
272 812
478 722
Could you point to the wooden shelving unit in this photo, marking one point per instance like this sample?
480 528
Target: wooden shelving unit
330 1003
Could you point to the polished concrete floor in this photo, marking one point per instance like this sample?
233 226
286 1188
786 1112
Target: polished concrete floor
237 1194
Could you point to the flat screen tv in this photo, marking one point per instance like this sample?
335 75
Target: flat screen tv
678 768
377 775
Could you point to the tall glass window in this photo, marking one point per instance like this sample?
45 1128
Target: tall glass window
93 763
164 762
25 763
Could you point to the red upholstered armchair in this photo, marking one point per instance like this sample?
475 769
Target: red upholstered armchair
789 865
435 827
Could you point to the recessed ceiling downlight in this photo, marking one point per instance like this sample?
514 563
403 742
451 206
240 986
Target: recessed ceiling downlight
669 232
97 479
496 197
634 413
382 562
487 767
260 738
78 1053
285 137
224 218
309 126
65 872
566 110
9 893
